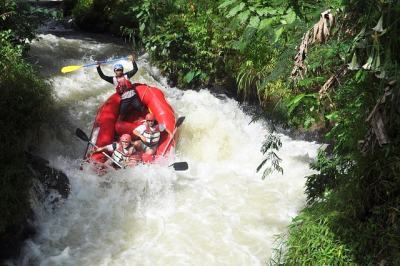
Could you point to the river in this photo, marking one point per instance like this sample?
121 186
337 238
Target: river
219 212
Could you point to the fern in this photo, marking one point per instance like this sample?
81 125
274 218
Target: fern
272 161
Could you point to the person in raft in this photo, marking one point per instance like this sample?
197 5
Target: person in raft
123 151
124 88
149 133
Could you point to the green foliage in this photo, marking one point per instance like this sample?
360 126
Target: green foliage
274 91
250 76
319 185
256 17
313 242
25 101
306 107
81 8
354 197
272 161
93 15
12 14
359 180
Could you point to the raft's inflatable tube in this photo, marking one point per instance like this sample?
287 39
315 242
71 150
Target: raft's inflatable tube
106 128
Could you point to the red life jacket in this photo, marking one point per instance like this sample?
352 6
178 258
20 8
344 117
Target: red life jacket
123 85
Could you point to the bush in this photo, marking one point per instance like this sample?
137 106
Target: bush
93 15
25 102
313 242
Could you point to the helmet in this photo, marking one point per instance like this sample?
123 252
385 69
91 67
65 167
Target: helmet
125 137
118 66
150 116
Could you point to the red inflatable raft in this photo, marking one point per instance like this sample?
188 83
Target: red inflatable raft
106 128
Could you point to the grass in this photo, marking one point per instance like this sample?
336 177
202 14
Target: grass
312 241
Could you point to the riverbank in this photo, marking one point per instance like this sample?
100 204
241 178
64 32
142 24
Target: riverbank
330 66
26 103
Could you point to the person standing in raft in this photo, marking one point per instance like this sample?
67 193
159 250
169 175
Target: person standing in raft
124 88
149 134
123 151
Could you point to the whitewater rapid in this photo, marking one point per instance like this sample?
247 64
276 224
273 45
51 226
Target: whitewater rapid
219 212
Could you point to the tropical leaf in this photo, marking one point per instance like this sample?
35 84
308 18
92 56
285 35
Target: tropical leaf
235 10
254 21
265 23
239 45
243 16
290 17
332 116
266 11
189 76
248 33
142 27
278 33
227 3
295 102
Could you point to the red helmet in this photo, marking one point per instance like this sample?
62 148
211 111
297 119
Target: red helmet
150 116
125 138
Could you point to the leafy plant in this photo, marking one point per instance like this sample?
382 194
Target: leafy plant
257 17
311 239
272 161
317 185
306 107
25 102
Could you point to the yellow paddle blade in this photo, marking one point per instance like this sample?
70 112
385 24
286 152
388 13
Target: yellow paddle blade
67 69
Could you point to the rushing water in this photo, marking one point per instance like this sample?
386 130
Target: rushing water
219 212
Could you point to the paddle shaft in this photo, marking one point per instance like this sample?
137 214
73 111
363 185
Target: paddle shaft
178 124
169 142
106 61
88 143
72 68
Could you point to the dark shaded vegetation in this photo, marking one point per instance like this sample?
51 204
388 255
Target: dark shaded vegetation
24 103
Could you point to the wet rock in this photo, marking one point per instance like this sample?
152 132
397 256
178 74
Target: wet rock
50 178
51 181
13 237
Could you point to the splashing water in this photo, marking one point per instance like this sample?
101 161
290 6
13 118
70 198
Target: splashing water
220 212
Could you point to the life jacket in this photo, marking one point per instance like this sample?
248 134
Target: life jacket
121 155
152 134
123 84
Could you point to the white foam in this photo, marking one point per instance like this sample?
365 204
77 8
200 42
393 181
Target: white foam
219 212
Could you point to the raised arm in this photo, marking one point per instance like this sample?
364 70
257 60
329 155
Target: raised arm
130 74
101 74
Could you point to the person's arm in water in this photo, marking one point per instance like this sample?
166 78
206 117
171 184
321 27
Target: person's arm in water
101 74
130 74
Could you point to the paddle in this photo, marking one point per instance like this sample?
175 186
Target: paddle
68 69
177 124
82 135
180 166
